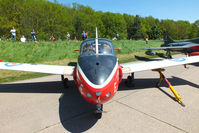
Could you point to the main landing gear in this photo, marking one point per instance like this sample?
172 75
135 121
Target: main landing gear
168 54
162 77
98 111
130 81
64 81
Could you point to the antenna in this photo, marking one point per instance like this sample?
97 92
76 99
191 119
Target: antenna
96 41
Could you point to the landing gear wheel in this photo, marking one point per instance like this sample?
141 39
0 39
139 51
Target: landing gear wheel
64 81
98 115
130 81
98 111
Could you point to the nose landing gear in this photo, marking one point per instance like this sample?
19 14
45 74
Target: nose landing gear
98 111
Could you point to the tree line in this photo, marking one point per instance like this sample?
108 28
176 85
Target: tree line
52 18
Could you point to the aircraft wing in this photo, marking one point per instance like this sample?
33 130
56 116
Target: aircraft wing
164 48
51 69
184 45
142 66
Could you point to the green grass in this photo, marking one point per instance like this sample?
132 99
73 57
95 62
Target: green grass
31 52
37 52
132 46
60 53
22 77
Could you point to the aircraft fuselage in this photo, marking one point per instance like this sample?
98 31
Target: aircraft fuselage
97 75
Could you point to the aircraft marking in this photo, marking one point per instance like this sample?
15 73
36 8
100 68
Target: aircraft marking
178 60
13 64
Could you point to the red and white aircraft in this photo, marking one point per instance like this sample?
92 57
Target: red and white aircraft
97 73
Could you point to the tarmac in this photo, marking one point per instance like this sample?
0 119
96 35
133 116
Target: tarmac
42 105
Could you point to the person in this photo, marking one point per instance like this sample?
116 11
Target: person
114 38
23 39
83 35
52 39
68 36
146 39
117 36
13 33
86 35
33 35
75 39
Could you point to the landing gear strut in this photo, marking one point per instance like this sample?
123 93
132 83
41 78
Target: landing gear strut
130 81
163 78
168 54
98 111
64 81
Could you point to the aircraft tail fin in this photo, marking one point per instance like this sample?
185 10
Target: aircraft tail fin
167 39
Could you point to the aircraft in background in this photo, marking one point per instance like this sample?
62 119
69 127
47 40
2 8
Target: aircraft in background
97 73
188 47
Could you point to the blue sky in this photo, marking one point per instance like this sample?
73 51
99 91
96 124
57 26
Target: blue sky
161 9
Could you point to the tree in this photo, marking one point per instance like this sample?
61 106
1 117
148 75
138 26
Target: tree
135 28
154 32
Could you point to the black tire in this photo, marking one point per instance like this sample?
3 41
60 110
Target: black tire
129 82
98 115
65 83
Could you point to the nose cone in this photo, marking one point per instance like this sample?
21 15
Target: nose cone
97 69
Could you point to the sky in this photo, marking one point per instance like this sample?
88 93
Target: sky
187 10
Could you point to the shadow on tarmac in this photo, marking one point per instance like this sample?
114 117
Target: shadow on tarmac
76 115
195 64
151 83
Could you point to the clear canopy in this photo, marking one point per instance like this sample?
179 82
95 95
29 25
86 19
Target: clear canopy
105 47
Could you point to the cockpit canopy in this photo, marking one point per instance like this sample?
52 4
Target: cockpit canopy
105 47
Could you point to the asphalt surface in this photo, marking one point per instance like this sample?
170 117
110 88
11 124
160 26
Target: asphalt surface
42 105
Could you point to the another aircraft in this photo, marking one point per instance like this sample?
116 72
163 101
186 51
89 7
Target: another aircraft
188 47
97 73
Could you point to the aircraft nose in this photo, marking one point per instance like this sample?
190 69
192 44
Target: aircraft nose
97 69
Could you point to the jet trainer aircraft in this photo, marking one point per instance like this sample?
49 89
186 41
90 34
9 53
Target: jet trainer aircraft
97 73
188 47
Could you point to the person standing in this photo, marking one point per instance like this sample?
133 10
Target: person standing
68 36
117 36
147 40
13 33
33 35
83 35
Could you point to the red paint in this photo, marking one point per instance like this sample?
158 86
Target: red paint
194 54
117 48
1 60
195 47
85 88
76 49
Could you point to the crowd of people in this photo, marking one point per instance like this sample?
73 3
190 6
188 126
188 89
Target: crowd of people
84 36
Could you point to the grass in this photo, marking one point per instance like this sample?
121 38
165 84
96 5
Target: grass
59 53
37 52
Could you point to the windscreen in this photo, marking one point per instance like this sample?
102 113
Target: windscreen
105 47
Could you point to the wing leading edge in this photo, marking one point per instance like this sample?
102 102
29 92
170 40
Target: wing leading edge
188 45
51 69
142 66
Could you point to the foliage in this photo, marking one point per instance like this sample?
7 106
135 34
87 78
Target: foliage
48 18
